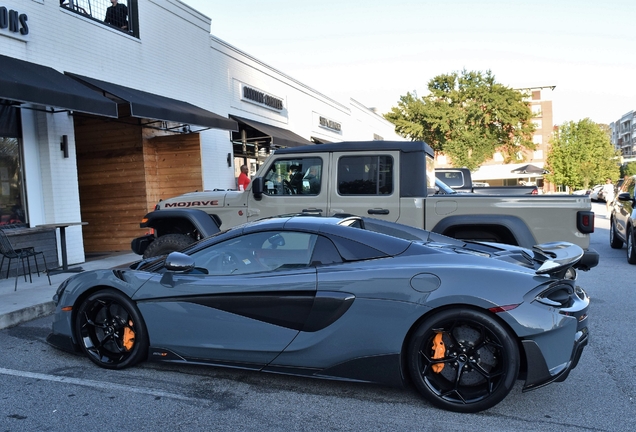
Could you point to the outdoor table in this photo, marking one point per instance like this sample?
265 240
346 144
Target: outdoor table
62 226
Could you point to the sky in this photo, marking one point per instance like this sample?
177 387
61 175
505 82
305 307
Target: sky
375 51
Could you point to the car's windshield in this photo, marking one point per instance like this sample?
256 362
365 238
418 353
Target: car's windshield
443 188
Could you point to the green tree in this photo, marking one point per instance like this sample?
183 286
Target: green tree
628 169
581 155
468 116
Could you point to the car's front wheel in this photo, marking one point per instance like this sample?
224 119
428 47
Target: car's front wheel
110 330
615 240
631 252
463 360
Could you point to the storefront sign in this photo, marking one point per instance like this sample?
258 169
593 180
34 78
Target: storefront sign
262 98
330 124
13 21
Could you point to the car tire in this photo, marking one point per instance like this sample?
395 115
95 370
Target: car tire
631 252
166 244
615 240
478 364
110 330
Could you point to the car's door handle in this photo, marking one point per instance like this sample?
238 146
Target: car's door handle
378 211
312 210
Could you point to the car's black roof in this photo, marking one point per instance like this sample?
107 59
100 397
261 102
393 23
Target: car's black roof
403 146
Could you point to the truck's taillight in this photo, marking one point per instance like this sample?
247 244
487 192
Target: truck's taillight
585 222
156 206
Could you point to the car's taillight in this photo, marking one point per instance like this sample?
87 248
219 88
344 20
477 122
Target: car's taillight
558 295
585 221
157 207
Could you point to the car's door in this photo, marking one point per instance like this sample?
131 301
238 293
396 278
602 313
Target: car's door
292 185
623 209
244 302
366 185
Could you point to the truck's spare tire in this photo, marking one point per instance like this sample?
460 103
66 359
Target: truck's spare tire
166 244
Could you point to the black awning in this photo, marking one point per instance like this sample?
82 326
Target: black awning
279 136
316 140
25 82
152 106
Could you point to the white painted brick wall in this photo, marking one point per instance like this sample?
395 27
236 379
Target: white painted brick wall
176 57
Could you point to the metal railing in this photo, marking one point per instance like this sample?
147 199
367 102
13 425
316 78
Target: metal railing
121 15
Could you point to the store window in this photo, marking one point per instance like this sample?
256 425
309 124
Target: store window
12 203
120 14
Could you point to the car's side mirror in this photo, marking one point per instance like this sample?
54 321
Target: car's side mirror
257 188
179 262
624 196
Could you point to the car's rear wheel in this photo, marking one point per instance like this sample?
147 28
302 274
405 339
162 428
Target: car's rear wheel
615 240
463 360
110 330
631 253
166 244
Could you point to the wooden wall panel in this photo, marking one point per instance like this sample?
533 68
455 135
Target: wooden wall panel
123 171
111 179
173 166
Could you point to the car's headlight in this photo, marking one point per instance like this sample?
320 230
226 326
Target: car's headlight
60 291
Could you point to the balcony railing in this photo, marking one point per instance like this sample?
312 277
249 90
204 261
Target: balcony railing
122 16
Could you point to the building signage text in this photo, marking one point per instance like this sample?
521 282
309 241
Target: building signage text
13 21
262 98
330 124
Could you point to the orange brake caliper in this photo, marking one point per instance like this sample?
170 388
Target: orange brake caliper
129 336
438 352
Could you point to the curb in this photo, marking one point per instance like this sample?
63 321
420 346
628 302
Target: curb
12 319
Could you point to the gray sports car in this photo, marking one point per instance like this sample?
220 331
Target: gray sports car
344 298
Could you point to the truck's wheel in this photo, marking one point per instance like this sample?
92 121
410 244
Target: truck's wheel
166 244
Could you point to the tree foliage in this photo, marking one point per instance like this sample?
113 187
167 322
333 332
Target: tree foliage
628 169
468 116
581 155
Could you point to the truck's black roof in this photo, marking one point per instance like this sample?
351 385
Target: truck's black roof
403 146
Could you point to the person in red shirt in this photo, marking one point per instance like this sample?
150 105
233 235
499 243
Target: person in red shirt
243 179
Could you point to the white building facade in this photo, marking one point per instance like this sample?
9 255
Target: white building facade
99 121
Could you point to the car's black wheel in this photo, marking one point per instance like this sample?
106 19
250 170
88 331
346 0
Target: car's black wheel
166 244
615 240
631 252
463 360
110 330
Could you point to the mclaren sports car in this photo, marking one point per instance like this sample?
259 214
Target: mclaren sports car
343 298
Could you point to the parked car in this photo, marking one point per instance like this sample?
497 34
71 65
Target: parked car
345 298
582 192
596 193
622 218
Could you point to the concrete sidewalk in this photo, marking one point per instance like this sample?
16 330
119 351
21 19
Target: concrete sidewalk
33 300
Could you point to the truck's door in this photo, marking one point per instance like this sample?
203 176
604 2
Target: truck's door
365 184
293 184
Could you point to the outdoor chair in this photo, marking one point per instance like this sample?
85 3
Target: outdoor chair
25 253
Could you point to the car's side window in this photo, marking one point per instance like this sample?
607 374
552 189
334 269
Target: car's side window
629 186
257 252
296 176
365 175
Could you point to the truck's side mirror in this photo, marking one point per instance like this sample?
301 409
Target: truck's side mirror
257 188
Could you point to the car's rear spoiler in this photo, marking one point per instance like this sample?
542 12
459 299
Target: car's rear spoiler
557 257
